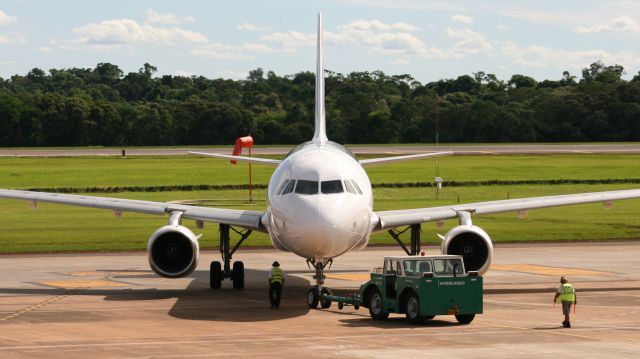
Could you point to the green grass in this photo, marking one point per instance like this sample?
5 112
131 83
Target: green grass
83 172
66 228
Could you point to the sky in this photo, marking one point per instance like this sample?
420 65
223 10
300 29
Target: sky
429 40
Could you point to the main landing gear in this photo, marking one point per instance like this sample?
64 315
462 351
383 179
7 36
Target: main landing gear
217 272
314 295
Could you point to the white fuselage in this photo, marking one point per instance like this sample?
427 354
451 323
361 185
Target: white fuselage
325 215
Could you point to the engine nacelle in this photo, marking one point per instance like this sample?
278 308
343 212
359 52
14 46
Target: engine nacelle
473 244
173 251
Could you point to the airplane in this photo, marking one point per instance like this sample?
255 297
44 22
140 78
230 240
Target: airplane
320 206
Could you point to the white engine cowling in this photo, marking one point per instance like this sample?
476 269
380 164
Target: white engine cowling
473 244
173 251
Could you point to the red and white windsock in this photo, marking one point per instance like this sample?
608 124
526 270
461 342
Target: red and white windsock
242 142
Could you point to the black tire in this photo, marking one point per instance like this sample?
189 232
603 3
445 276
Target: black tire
376 306
412 309
313 298
465 318
215 275
237 275
356 306
325 303
340 305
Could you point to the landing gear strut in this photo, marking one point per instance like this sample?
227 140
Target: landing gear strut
217 271
314 295
415 238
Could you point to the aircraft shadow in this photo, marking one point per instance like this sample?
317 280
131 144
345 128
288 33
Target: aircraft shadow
197 301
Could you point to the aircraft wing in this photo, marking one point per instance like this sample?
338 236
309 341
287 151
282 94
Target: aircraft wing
391 219
383 160
242 218
265 161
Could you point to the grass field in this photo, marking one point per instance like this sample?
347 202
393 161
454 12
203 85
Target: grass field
65 228
38 172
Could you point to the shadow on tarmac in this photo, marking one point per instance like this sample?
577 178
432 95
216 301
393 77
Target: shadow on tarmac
197 301
396 322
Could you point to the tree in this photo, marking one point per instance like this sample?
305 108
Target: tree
521 81
598 71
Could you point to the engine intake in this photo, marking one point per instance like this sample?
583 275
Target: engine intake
473 244
173 251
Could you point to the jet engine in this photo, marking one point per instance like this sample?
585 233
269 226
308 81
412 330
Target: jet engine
473 244
173 251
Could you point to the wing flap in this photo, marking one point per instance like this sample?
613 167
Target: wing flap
247 219
390 219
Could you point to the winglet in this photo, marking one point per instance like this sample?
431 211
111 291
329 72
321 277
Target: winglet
320 134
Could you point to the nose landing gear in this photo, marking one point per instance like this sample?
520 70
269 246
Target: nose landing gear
315 294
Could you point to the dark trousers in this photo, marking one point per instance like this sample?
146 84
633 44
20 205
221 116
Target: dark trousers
275 294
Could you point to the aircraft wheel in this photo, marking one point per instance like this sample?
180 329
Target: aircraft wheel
325 303
413 309
376 306
237 275
313 298
465 318
215 275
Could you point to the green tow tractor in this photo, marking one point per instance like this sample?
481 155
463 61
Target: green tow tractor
421 287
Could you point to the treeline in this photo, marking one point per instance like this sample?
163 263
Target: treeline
103 106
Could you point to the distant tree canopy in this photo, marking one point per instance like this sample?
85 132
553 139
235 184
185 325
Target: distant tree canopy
104 106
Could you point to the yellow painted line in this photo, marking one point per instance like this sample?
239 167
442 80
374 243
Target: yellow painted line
40 305
70 284
101 274
350 276
543 270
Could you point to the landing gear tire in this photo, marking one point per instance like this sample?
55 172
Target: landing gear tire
376 306
413 309
215 275
237 275
313 298
325 303
465 318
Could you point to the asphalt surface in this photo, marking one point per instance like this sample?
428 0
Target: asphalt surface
623 148
112 305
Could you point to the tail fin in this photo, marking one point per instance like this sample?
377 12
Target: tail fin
320 134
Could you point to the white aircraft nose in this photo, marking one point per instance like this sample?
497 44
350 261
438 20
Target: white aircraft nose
322 229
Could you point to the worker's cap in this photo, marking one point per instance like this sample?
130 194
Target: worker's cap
564 280
276 264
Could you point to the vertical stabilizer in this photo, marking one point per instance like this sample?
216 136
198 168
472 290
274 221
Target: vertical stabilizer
320 134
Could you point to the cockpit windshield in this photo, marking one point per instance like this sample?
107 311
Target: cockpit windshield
307 187
329 187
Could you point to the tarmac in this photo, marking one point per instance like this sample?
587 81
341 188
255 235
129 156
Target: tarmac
112 305
470 149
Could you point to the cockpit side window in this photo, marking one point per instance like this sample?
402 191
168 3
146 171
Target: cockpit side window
289 187
307 187
355 185
349 187
329 187
282 187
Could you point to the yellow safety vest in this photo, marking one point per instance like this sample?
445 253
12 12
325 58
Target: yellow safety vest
568 293
276 275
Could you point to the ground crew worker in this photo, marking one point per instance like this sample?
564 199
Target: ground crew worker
567 295
276 282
